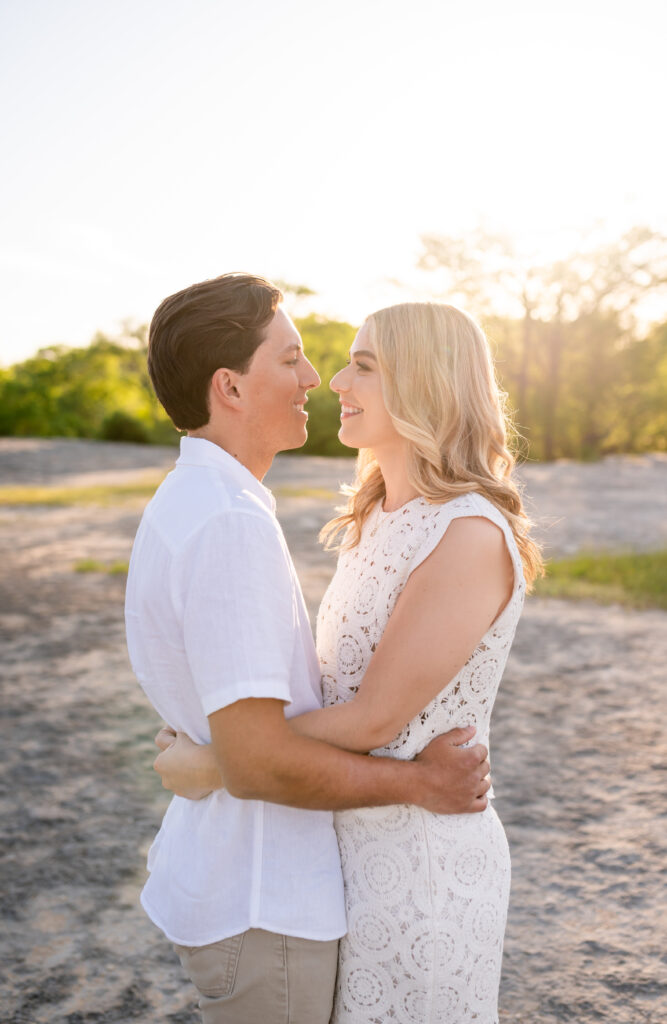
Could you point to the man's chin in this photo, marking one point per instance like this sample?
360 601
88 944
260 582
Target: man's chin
296 443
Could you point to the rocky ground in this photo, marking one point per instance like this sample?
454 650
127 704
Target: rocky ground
579 754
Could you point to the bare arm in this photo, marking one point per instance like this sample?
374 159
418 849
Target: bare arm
261 758
454 596
446 607
264 759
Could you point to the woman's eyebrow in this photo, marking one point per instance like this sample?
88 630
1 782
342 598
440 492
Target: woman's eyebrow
363 352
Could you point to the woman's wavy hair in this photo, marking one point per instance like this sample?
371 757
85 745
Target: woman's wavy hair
440 389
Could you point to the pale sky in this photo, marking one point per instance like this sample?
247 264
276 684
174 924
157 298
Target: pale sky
148 144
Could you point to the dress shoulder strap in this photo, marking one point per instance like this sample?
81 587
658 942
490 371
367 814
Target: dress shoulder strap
436 518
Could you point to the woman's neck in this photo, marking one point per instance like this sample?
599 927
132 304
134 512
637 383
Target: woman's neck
393 465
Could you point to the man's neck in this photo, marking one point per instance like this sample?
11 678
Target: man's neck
257 463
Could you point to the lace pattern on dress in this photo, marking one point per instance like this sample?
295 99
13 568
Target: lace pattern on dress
426 894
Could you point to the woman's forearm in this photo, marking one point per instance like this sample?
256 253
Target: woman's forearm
342 725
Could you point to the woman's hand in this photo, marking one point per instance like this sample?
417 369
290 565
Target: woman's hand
186 768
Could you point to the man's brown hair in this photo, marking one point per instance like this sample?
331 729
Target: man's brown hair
213 324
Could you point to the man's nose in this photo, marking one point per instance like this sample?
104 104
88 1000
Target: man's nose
311 376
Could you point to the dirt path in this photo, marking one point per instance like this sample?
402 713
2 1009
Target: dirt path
579 756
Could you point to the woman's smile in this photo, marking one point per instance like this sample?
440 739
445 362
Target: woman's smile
360 380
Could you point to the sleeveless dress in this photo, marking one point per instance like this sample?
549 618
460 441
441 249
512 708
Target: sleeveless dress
426 894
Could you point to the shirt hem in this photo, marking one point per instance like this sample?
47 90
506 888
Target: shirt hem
303 933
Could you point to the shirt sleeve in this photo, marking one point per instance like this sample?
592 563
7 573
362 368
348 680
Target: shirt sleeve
238 610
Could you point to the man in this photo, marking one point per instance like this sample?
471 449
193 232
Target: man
246 883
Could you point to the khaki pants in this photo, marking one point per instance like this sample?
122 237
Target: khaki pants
262 978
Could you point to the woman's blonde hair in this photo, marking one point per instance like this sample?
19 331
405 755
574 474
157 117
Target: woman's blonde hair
439 387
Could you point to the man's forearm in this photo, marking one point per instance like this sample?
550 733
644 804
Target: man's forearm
298 774
261 758
317 776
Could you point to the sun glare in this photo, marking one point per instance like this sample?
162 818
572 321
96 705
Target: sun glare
313 148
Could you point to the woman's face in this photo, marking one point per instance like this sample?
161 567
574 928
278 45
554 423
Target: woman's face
364 420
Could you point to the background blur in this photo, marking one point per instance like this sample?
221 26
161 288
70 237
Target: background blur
509 158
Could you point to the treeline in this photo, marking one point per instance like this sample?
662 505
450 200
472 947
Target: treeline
583 379
104 391
586 389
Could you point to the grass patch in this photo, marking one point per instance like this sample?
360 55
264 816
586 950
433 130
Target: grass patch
638 580
96 494
321 493
109 494
93 565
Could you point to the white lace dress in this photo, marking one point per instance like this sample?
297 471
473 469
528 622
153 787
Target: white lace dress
426 894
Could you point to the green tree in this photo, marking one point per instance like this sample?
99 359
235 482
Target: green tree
73 392
560 354
327 344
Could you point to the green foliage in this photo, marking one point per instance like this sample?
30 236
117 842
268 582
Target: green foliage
83 392
635 579
611 392
108 568
120 426
327 344
582 381
104 391
581 387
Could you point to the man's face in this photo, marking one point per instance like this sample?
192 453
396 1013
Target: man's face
274 389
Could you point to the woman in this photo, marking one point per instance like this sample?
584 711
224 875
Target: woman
422 608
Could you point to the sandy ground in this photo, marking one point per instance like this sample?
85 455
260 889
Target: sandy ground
579 755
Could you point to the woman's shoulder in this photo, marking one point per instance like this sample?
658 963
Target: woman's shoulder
487 531
421 522
433 519
469 504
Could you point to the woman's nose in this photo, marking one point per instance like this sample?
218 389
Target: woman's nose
337 382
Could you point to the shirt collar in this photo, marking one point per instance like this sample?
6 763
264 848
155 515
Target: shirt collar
197 451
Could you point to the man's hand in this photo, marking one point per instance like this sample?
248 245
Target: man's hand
455 777
184 766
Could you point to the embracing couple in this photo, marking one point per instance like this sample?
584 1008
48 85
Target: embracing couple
252 876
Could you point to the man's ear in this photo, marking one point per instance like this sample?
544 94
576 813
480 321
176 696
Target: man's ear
224 387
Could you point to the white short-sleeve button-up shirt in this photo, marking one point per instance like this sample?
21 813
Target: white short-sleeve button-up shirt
214 614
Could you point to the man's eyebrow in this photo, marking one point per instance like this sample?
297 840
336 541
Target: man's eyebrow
363 352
